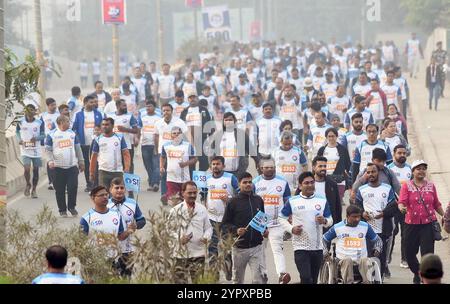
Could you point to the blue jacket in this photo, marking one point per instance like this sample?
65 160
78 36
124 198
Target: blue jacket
78 125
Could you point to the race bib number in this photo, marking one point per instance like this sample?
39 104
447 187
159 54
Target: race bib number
331 165
101 103
218 194
288 168
193 117
148 129
319 139
167 136
353 243
175 154
179 110
288 109
91 125
271 199
230 153
65 144
29 144
341 107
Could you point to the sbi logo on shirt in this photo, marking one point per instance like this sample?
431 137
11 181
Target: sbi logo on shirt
97 223
115 221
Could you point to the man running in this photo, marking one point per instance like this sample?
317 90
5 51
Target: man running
49 120
30 131
275 192
310 214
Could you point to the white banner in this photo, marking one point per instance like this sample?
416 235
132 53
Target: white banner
216 23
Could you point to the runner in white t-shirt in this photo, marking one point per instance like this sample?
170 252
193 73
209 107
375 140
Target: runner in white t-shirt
176 157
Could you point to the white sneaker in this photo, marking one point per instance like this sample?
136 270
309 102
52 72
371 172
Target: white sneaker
404 265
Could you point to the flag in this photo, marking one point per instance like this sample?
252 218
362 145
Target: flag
199 177
132 182
260 221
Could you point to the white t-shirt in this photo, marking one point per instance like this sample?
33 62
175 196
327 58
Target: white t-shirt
89 125
218 188
166 86
228 149
291 111
392 93
29 130
375 200
148 130
164 130
289 164
268 134
127 121
62 145
139 83
175 154
49 121
178 108
338 105
320 188
332 156
109 151
274 192
101 101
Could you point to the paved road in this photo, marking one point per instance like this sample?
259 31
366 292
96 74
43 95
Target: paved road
437 131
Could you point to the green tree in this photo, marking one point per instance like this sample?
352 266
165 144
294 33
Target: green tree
20 80
427 14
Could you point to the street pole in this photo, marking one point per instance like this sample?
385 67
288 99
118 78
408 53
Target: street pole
2 131
115 44
196 24
241 27
160 33
39 51
363 24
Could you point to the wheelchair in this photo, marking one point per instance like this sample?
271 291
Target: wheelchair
330 271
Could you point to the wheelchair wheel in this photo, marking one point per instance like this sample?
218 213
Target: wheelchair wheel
374 273
327 273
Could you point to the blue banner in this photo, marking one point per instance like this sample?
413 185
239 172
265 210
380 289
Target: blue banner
132 182
260 221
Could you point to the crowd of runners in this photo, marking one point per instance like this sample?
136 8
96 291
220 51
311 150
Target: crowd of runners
324 124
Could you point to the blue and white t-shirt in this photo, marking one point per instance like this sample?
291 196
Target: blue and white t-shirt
130 212
275 192
304 211
351 241
57 278
374 200
363 154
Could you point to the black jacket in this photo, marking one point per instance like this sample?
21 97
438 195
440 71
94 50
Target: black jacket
333 199
344 164
240 210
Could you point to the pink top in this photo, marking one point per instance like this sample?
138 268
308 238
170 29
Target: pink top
409 197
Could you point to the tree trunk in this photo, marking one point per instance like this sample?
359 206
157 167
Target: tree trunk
2 131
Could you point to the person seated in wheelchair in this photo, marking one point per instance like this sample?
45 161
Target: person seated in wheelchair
351 248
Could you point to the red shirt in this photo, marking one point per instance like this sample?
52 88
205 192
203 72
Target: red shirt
410 198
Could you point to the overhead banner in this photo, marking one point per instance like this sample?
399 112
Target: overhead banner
216 23
194 3
114 12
